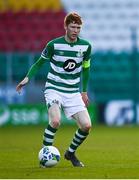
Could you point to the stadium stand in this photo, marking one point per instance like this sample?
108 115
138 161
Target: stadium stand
39 5
26 27
107 23
112 76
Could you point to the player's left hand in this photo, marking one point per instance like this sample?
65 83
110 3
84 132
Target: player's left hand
85 98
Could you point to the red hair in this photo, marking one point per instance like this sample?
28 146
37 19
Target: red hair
72 18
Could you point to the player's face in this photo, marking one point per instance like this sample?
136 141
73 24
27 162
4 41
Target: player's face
72 31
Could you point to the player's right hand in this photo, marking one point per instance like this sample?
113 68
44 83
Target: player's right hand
21 84
85 98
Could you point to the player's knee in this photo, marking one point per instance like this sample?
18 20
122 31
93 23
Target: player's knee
87 127
55 123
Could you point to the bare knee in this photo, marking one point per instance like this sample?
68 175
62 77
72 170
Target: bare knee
54 116
55 123
86 127
54 119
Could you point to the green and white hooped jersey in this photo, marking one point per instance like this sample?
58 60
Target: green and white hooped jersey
66 62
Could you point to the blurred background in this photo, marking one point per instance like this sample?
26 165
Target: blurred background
110 26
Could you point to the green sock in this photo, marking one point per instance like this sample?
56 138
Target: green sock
79 137
49 134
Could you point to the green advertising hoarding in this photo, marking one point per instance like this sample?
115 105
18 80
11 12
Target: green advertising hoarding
34 114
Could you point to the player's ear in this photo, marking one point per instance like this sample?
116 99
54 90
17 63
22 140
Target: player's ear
65 26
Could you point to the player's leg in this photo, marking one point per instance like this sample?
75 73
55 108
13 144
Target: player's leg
53 101
54 116
84 123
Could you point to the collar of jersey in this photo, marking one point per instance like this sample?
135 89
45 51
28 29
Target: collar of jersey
72 43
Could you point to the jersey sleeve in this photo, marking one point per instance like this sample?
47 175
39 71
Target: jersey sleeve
47 51
35 67
87 54
86 68
87 57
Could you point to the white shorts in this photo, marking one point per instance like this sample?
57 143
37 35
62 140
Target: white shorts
71 103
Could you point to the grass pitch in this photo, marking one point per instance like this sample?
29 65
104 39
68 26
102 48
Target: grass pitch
108 152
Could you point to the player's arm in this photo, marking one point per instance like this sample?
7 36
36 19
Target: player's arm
85 79
46 55
85 75
32 71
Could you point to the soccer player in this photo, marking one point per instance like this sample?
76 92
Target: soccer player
69 57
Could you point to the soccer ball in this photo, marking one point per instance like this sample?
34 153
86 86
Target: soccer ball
49 156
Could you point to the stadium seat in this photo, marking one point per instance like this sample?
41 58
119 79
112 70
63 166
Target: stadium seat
33 26
39 5
107 23
3 6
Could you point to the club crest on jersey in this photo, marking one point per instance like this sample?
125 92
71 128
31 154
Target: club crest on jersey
70 65
79 53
